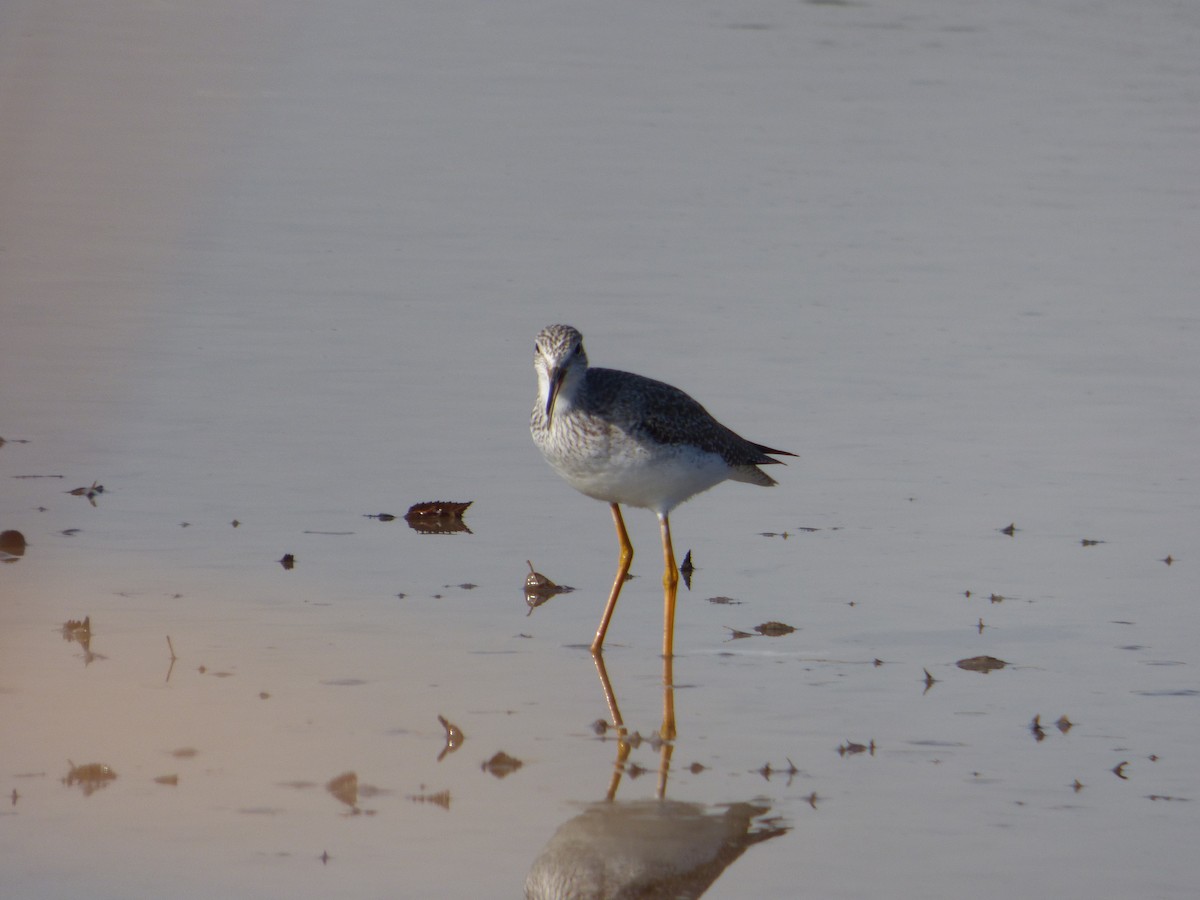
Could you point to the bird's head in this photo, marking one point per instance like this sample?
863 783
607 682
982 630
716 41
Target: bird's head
558 359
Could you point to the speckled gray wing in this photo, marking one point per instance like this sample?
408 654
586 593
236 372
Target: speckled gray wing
656 410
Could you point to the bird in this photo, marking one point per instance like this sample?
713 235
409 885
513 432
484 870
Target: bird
627 439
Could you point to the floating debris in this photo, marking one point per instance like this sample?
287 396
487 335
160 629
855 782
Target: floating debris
768 770
634 771
1077 785
1119 770
686 569
1089 542
90 492
930 681
982 664
1035 728
997 598
1010 529
235 523
74 630
501 765
438 517
773 629
438 509
382 517
12 546
288 561
170 780
441 798
735 635
1168 559
345 788
90 777
1064 724
850 748
725 601
454 737
539 588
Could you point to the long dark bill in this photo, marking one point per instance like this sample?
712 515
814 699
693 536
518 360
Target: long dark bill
557 374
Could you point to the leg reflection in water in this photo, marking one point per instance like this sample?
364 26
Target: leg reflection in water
646 848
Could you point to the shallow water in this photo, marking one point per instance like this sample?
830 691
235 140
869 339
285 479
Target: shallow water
282 265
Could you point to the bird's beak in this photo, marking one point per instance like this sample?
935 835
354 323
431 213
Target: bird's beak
557 374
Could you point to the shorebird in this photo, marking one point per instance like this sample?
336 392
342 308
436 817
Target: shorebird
624 438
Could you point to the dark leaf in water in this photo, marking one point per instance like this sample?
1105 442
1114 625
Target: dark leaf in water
502 765
288 561
345 788
441 798
983 664
12 543
1010 530
437 509
74 630
734 634
454 737
1089 542
1064 724
774 629
686 569
89 492
437 517
1035 728
539 588
851 748
90 777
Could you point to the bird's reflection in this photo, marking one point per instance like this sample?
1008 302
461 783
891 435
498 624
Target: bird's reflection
646 848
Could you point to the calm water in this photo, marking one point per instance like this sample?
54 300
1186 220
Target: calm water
283 266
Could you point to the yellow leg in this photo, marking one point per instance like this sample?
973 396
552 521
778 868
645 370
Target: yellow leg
670 585
626 559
